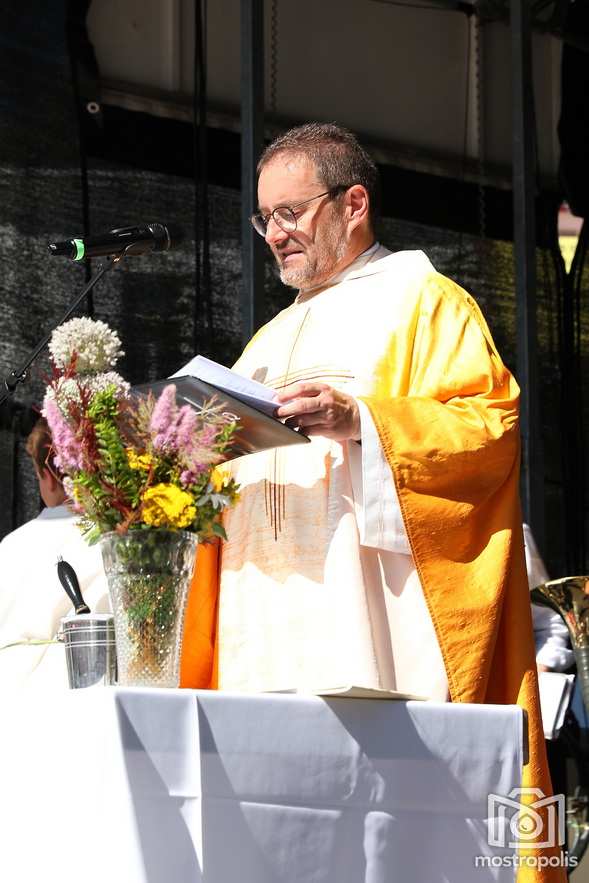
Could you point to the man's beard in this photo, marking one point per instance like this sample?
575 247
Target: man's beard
328 252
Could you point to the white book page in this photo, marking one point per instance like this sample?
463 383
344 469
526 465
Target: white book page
249 391
555 695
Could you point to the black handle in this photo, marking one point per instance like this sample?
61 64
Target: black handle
69 580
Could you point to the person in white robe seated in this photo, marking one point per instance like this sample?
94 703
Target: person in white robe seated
32 600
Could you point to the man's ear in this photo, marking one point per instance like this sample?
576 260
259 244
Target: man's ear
46 478
357 205
53 481
50 488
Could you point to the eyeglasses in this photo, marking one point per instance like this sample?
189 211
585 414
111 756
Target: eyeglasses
284 215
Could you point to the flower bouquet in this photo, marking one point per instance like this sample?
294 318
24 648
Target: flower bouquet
143 475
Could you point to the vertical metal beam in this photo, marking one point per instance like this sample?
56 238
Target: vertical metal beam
524 237
252 141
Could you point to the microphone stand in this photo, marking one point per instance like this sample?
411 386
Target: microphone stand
15 377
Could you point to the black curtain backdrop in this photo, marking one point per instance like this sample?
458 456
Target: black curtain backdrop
150 300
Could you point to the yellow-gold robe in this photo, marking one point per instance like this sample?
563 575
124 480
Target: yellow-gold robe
297 603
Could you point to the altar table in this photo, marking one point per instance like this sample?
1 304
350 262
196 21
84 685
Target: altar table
113 785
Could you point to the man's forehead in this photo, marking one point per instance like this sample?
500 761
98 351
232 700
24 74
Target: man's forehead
286 179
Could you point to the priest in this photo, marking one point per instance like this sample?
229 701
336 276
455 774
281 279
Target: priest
388 552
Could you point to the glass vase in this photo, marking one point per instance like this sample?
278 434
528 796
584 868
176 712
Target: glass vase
149 574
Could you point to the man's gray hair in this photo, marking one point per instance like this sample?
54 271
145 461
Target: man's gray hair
336 154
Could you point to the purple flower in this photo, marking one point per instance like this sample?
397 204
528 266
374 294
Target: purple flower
189 477
68 451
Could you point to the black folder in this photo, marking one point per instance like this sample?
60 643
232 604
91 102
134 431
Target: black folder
256 431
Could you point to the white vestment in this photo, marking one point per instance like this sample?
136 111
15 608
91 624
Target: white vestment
33 601
318 586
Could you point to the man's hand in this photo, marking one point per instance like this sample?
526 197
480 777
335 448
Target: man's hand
318 409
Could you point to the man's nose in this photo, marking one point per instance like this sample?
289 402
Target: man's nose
274 233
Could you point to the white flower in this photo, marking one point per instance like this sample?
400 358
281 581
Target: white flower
66 390
97 347
100 382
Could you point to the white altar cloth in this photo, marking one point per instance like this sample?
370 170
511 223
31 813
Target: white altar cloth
181 786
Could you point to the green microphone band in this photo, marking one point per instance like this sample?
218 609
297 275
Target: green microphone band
79 249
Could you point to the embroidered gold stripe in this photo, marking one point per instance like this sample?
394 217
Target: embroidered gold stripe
308 374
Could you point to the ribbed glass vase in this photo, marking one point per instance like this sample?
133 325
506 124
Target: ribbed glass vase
149 574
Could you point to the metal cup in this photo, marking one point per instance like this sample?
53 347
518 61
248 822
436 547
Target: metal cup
90 649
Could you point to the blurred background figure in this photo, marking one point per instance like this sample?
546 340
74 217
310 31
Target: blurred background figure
32 600
553 654
553 647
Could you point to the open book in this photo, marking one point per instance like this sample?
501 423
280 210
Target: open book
246 401
250 392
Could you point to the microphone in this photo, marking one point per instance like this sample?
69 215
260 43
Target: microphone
131 240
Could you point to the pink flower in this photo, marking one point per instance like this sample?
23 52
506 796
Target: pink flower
208 435
163 419
187 425
173 429
68 451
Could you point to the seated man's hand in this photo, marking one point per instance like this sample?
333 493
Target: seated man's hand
318 409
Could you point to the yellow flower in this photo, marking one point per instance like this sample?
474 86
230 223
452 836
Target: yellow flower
218 479
165 505
139 461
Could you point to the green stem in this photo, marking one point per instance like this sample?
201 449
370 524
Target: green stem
31 643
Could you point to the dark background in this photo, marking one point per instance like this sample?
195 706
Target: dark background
126 168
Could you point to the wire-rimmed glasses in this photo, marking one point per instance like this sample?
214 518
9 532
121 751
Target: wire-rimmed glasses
284 215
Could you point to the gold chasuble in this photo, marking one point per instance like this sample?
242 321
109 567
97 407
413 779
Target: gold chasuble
406 572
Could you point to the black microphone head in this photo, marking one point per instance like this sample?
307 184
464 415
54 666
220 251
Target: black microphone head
165 236
66 249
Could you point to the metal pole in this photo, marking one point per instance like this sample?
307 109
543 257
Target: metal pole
252 141
524 238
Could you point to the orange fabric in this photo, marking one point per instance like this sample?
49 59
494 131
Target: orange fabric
446 412
200 624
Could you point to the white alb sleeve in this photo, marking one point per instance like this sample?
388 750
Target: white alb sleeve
380 522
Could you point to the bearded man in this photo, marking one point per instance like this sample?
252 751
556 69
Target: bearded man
318 537
388 552
341 552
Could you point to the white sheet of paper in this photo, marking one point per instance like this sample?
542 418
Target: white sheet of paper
555 695
249 391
